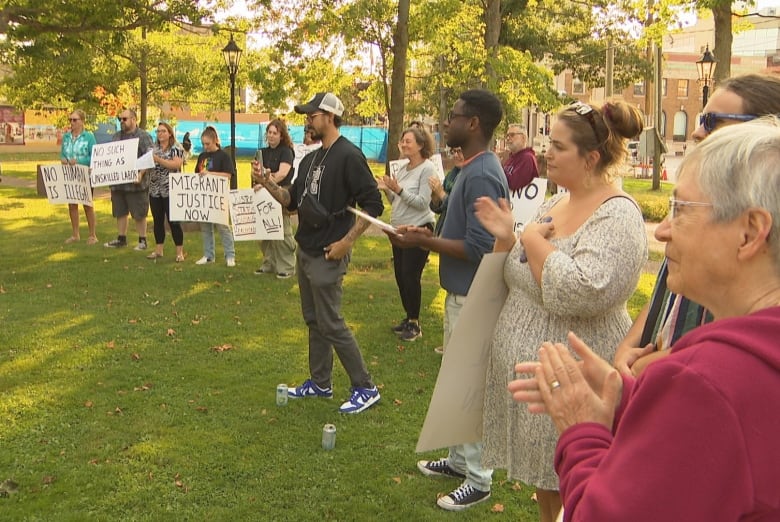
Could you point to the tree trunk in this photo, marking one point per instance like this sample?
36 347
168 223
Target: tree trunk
721 13
398 80
143 75
492 32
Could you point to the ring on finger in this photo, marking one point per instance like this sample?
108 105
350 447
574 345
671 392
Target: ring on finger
555 385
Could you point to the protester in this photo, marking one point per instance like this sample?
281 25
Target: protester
168 157
461 245
573 267
667 316
410 195
694 437
440 191
77 150
520 167
278 157
214 160
330 179
131 199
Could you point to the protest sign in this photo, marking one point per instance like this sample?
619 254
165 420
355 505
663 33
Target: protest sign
67 184
114 163
301 151
526 202
255 215
203 199
396 166
439 165
460 386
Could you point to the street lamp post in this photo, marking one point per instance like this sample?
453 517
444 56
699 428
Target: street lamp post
232 54
706 66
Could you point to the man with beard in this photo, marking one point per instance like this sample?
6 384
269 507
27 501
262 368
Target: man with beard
462 243
329 180
131 198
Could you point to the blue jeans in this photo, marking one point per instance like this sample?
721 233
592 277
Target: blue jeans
465 458
226 234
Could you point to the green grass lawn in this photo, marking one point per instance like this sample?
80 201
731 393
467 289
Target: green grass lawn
144 390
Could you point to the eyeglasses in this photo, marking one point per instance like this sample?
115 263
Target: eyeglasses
585 110
512 134
310 117
121 118
74 119
676 204
709 120
452 115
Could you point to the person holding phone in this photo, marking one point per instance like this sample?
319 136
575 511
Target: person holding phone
277 158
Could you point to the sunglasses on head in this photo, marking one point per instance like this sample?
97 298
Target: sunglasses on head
586 111
709 120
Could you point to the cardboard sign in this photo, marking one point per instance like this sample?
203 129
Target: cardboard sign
460 386
67 184
437 162
202 199
302 150
396 166
255 215
114 163
526 202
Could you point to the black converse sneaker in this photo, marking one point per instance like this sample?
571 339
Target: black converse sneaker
438 468
464 496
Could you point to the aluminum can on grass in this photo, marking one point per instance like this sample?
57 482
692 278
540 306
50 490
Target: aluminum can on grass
328 437
281 395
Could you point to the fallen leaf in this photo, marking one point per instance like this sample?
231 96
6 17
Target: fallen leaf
397 480
498 508
135 356
94 462
49 285
195 321
88 404
179 484
202 409
118 410
2 289
397 402
400 348
132 321
171 332
155 303
517 486
222 348
533 497
110 344
49 479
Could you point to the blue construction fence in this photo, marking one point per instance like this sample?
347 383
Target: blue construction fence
251 136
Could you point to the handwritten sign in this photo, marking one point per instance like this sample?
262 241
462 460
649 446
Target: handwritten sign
460 386
203 199
526 202
114 163
396 166
255 215
439 165
67 184
302 150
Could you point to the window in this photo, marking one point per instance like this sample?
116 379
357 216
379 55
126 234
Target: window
663 87
577 87
680 126
682 88
662 127
639 89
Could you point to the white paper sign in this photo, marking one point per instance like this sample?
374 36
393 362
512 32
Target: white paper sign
67 184
255 215
396 166
460 386
146 161
114 163
436 159
203 199
526 201
302 150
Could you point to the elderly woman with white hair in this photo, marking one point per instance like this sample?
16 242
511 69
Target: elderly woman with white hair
695 436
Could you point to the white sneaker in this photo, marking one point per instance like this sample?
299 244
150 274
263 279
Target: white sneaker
231 262
203 260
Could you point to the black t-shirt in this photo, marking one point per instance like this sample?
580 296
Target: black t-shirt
218 161
338 176
273 157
